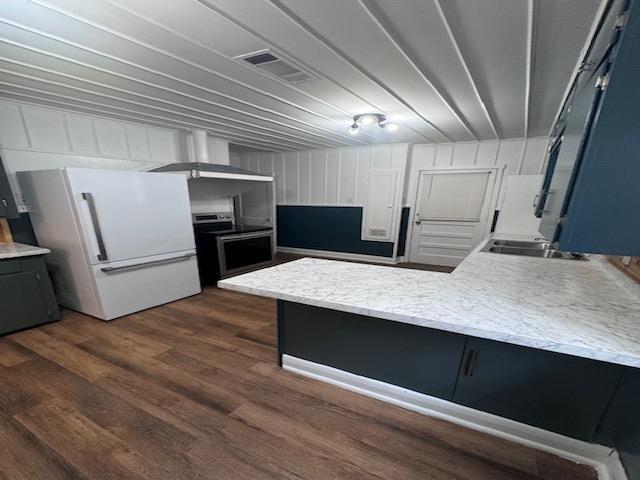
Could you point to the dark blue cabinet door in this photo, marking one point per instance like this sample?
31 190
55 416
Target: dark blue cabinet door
557 392
565 165
8 207
602 213
592 200
417 358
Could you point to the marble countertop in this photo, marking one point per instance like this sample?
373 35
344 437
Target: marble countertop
579 308
14 250
377 291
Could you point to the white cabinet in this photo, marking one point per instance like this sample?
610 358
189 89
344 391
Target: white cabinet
380 209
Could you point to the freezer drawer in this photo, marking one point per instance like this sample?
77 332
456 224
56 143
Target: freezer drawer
130 286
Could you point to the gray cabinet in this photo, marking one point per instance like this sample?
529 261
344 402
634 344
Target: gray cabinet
8 208
417 358
26 294
621 425
557 392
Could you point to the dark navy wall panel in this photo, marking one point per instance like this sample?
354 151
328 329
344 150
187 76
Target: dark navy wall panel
335 229
402 234
21 230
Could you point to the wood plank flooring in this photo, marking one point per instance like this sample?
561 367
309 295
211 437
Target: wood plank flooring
191 390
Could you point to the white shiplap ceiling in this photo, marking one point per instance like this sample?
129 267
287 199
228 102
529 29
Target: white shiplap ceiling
446 70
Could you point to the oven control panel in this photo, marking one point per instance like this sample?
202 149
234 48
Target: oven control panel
212 217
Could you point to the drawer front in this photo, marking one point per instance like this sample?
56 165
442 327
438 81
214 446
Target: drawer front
10 266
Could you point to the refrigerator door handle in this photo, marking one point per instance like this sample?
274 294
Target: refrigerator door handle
88 197
147 264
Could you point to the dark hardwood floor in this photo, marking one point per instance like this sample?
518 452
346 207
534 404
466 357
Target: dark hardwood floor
191 390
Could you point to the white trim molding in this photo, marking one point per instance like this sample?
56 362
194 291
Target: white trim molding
339 255
603 459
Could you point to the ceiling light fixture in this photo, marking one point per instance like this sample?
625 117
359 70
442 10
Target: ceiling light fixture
390 126
354 129
366 119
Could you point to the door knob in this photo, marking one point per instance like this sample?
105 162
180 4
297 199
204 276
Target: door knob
418 222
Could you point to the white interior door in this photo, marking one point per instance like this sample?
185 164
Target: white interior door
128 214
379 211
450 220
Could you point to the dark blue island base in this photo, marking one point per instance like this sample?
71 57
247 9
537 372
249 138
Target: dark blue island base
588 400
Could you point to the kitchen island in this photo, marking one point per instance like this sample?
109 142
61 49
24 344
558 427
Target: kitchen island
587 309
544 342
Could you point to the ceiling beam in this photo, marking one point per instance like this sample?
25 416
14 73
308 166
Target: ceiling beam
319 37
171 77
65 108
267 41
465 65
269 132
447 102
347 115
176 92
178 58
184 125
344 57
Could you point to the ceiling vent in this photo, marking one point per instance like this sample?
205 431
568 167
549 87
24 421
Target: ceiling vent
277 65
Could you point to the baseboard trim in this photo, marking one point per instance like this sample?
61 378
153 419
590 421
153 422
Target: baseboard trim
604 459
338 255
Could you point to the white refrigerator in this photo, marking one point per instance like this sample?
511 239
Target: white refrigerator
121 241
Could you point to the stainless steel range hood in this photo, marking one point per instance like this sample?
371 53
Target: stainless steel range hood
201 147
213 171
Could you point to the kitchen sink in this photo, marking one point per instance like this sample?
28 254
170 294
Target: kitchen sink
528 252
522 244
529 249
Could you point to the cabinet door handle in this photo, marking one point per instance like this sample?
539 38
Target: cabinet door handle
470 364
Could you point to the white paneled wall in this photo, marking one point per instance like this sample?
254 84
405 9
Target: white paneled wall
35 138
506 158
325 177
339 177
342 177
512 157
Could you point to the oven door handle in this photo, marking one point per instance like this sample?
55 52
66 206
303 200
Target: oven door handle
242 236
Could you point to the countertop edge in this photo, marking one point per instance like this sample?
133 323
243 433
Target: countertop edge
557 347
17 250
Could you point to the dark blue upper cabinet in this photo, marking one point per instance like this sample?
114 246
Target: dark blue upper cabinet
8 207
591 195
